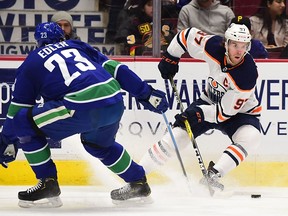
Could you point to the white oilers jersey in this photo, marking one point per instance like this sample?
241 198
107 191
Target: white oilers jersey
229 89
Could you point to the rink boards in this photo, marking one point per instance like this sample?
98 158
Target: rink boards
141 128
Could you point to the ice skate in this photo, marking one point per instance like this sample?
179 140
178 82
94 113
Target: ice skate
133 192
43 195
213 178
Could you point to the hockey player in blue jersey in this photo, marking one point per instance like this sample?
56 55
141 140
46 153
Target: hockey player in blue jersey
228 102
82 95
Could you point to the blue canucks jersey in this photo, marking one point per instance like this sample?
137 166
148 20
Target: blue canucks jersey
74 72
69 70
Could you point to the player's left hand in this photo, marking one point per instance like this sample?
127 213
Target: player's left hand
8 151
168 66
194 116
156 102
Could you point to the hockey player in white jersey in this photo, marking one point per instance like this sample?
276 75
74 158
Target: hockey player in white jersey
228 102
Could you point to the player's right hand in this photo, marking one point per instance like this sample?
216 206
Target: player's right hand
194 115
168 66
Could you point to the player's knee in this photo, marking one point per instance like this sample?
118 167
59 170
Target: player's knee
90 144
23 126
249 137
181 137
96 150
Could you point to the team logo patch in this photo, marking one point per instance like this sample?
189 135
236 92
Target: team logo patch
215 90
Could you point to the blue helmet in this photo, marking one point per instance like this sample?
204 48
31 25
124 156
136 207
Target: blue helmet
48 33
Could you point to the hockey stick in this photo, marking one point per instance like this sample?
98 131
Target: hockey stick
176 148
190 133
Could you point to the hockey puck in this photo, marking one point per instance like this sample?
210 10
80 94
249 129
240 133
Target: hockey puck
255 195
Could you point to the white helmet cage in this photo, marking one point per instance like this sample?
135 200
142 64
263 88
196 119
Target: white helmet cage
237 32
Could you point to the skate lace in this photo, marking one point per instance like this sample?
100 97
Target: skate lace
125 189
35 188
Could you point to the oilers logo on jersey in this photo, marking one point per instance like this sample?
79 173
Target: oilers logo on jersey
215 90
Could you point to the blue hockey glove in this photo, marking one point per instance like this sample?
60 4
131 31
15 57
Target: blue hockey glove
168 66
8 151
194 116
156 101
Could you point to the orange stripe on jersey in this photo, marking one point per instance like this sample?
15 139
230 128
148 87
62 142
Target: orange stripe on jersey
236 152
221 118
257 110
183 39
211 57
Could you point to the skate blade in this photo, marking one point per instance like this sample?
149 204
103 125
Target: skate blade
52 202
213 190
226 193
134 201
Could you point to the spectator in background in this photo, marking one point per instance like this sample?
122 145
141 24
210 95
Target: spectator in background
257 48
65 21
135 33
269 24
116 6
119 17
171 8
181 3
208 15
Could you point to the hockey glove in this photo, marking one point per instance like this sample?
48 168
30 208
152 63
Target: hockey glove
193 115
168 66
8 151
156 101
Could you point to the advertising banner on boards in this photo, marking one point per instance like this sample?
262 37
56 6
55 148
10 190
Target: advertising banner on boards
142 128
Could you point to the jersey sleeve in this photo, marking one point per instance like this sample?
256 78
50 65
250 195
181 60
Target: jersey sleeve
28 77
26 88
24 96
127 79
191 40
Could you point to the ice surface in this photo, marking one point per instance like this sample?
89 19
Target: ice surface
169 199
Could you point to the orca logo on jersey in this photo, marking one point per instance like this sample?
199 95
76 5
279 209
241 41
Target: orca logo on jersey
215 90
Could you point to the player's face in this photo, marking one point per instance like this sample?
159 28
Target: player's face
236 51
66 27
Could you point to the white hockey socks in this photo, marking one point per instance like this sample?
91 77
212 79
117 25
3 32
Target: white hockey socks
246 140
160 152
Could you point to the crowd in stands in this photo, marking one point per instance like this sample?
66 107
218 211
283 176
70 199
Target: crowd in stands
131 23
